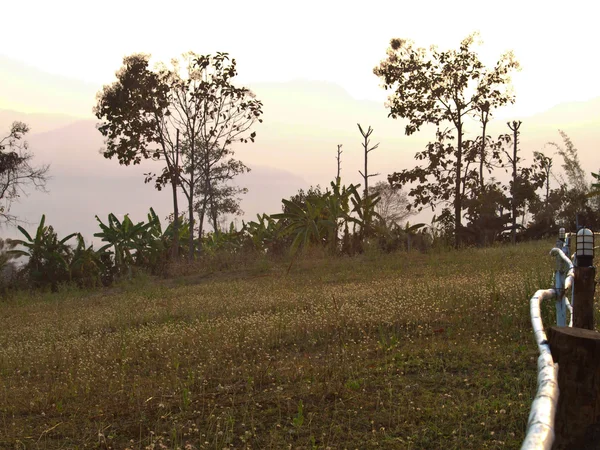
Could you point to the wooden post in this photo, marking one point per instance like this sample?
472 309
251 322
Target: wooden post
583 297
577 420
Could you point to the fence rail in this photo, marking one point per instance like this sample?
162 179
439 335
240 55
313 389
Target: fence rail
540 425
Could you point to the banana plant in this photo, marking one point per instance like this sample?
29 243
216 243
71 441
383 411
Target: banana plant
86 267
308 224
263 233
125 238
364 208
49 256
337 204
410 231
230 241
596 186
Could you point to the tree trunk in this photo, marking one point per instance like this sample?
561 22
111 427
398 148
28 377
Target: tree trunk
201 214
191 220
175 249
191 198
514 191
515 129
482 155
457 191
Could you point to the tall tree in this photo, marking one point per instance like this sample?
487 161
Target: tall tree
438 87
16 170
134 112
514 127
143 111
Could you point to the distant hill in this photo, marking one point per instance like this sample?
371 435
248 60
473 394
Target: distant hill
25 88
38 122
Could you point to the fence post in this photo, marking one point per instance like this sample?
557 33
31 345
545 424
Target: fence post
583 292
577 352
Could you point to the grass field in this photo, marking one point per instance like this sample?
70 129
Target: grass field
401 351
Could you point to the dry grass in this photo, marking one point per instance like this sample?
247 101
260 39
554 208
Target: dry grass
388 351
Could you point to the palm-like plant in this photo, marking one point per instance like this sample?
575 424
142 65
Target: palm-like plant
49 256
264 233
86 266
305 224
596 186
126 240
365 216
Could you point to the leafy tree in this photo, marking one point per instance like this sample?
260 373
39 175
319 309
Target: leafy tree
220 198
217 114
487 214
436 88
16 171
135 112
578 204
434 183
187 115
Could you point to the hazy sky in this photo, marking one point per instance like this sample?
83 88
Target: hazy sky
556 42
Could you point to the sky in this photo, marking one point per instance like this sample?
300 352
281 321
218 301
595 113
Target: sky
336 41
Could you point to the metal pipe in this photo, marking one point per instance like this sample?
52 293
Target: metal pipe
563 267
559 253
540 426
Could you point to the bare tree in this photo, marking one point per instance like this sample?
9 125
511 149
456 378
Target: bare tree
16 171
393 203
339 161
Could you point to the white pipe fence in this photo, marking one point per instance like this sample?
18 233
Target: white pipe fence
540 425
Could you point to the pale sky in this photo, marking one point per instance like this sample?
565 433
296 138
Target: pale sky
338 41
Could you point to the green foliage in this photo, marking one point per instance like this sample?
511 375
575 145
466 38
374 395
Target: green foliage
319 219
126 240
595 186
49 256
265 235
440 87
571 165
87 267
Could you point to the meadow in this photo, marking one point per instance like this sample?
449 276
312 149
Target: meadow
398 351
